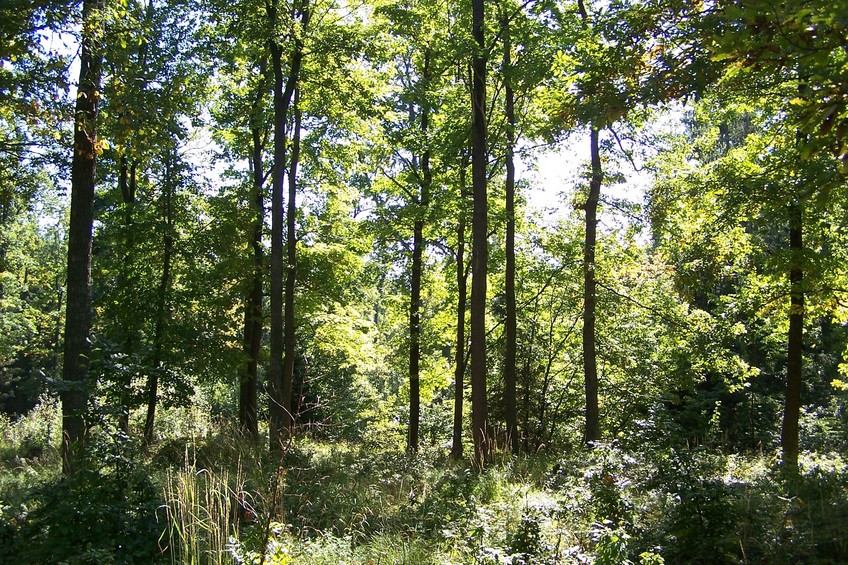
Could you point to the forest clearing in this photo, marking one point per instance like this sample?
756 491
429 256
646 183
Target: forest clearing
277 284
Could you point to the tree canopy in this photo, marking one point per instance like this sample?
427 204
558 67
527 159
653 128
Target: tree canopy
313 221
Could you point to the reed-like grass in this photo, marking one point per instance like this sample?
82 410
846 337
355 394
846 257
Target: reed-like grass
205 510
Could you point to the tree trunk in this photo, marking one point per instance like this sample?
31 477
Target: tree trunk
459 356
283 92
291 268
509 370
480 228
415 336
418 246
590 367
78 309
248 421
162 307
127 184
789 438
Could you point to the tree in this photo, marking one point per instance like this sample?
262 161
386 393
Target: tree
796 52
460 358
767 204
242 126
282 336
34 115
509 369
153 94
78 309
248 418
479 235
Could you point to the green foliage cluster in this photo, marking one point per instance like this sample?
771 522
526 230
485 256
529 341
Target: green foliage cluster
208 498
737 114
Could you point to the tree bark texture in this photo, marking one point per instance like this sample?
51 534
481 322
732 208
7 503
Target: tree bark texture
162 306
291 268
789 438
284 86
418 248
459 356
510 350
248 421
590 367
480 228
78 305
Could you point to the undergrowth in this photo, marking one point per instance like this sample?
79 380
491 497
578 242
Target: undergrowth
213 497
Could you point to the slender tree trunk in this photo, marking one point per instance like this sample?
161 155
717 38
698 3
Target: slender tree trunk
480 229
418 245
525 372
127 279
248 421
789 438
78 310
590 367
127 184
415 335
162 306
291 268
509 370
283 91
275 366
459 356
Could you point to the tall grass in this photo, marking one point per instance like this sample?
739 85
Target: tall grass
205 510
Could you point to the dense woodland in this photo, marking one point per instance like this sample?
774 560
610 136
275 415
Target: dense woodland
276 285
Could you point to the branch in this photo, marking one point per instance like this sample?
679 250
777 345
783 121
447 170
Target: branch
650 309
627 154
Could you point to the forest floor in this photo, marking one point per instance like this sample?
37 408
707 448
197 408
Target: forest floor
207 496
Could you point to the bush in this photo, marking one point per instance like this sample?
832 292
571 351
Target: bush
106 512
89 517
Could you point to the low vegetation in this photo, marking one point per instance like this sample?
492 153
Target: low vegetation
212 498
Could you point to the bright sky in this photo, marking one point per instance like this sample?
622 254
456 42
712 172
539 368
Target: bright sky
557 175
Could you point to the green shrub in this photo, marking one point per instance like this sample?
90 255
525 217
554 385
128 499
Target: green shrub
89 517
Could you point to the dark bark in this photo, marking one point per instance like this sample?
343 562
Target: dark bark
590 367
290 330
480 228
127 280
127 184
789 438
248 421
510 350
546 380
78 309
418 246
462 295
415 336
162 307
284 86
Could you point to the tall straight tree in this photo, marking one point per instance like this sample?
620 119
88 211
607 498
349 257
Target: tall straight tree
479 233
510 349
590 363
418 245
163 290
411 122
284 88
291 247
461 306
808 37
789 437
78 309
248 421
